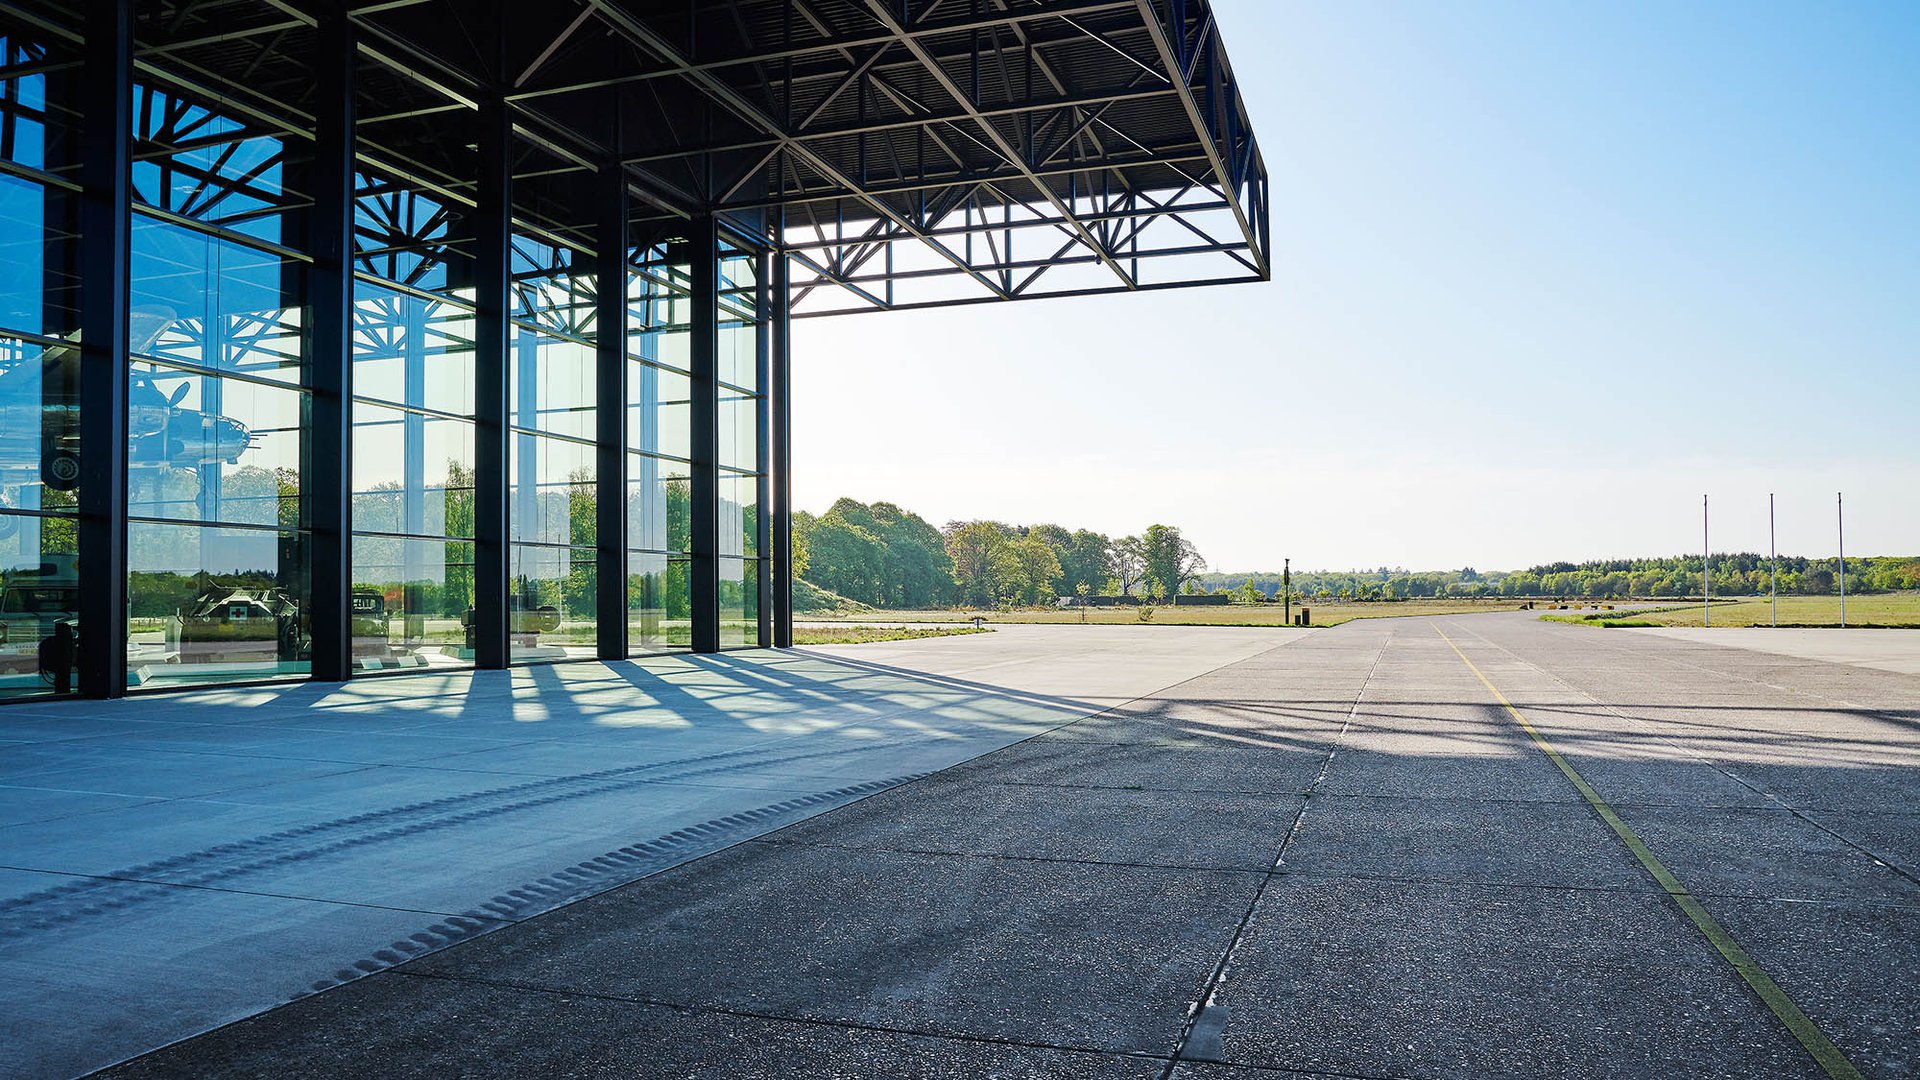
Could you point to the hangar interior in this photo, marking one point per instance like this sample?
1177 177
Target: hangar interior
348 338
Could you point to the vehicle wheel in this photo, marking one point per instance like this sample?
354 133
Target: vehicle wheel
60 469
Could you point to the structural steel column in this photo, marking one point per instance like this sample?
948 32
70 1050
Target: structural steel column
328 485
703 348
763 451
105 208
610 364
493 239
780 452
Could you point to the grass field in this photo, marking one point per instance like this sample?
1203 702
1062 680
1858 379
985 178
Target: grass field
1168 615
861 635
1901 609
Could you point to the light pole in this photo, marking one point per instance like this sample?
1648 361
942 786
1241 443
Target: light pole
1286 590
1840 510
1773 574
1706 569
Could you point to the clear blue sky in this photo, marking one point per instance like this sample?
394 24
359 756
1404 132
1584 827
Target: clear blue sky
1545 273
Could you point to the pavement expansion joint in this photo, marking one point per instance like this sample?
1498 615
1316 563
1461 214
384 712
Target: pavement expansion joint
779 1017
1201 1015
1008 856
1775 799
1818 1045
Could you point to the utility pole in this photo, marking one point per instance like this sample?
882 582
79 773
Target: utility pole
1840 509
1773 574
1706 569
1286 590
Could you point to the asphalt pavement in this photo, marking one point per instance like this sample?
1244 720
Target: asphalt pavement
1478 846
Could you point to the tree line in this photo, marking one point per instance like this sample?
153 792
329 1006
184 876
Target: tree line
1734 573
883 555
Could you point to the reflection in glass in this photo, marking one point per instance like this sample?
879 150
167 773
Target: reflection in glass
412 350
205 448
412 472
39 604
412 602
209 302
550 603
658 613
215 604
659 505
739 514
552 494
739 602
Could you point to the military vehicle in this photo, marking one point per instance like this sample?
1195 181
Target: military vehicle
34 602
240 624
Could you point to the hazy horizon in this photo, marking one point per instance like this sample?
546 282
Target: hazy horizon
1544 274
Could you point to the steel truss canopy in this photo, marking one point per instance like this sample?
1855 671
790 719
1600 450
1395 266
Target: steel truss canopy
903 153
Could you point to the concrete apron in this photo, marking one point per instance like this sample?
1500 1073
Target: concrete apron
172 863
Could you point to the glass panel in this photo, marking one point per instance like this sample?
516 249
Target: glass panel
205 448
38 284
35 129
552 493
552 385
39 604
739 514
738 360
739 603
412 472
659 308
214 605
550 288
739 431
412 350
659 505
659 411
550 604
201 300
39 426
412 238
658 615
201 164
412 602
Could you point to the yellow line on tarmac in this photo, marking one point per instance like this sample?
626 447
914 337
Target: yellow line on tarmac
1809 1035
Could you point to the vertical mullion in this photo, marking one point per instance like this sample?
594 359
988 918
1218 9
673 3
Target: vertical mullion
610 360
780 473
493 224
328 483
703 347
105 223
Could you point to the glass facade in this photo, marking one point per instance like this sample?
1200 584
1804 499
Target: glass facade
217 581
739 376
39 369
222 508
660 446
412 591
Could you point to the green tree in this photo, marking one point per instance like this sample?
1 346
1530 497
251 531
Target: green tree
1129 563
985 566
1038 570
1169 557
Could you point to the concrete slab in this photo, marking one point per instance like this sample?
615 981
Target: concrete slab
473 1029
958 945
1372 978
1886 650
966 815
311 833
1513 842
1450 905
